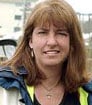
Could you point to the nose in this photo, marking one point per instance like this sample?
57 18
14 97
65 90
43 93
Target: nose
51 41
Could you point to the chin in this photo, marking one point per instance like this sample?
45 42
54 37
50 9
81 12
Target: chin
52 63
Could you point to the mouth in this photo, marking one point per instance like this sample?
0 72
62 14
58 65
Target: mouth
51 52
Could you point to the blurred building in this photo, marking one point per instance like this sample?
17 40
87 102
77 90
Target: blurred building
13 15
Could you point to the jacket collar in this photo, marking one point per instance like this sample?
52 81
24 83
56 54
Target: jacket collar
8 78
88 86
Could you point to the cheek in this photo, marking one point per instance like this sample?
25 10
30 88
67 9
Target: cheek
68 46
65 46
65 43
38 42
37 45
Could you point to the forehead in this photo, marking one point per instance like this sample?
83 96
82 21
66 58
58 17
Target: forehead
50 26
47 23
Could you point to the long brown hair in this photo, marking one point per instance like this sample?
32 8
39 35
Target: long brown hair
74 68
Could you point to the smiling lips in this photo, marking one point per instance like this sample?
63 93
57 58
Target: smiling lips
51 52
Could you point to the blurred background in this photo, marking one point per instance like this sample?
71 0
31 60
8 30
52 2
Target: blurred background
13 15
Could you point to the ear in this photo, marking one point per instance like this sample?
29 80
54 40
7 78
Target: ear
30 44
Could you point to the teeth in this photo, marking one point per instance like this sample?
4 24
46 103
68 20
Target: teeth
51 52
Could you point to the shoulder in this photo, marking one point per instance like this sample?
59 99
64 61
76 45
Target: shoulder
8 79
2 68
88 86
87 92
8 72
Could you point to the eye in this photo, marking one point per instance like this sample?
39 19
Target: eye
65 33
42 32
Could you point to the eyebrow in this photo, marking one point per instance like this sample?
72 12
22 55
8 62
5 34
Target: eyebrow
63 29
45 29
56 29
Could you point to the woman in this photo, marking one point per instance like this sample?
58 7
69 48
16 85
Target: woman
48 67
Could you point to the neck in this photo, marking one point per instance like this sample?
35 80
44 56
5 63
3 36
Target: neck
52 76
51 80
51 71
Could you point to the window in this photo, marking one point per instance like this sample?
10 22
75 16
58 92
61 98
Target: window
17 29
17 17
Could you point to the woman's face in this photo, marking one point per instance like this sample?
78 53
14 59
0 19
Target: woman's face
50 45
